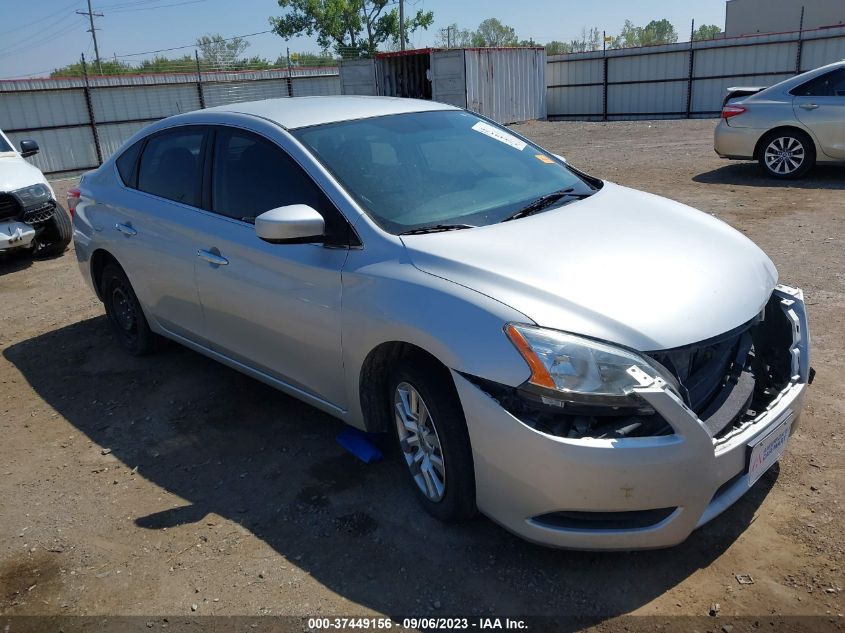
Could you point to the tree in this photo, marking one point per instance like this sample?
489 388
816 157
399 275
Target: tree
707 32
655 32
219 52
453 37
298 60
658 32
590 40
557 48
491 32
354 28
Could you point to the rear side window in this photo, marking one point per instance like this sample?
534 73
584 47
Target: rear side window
830 84
171 166
126 164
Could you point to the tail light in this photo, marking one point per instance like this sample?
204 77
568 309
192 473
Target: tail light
732 110
73 195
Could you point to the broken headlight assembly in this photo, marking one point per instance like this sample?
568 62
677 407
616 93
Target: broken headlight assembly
574 372
33 196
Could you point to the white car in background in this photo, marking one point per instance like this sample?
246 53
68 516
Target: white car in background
30 217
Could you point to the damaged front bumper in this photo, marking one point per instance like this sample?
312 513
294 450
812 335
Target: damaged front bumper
626 493
14 234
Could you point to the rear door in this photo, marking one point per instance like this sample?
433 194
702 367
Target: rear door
151 227
272 307
820 105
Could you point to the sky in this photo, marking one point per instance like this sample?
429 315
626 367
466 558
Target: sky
37 36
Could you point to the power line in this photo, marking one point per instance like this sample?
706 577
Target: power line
178 48
93 30
66 11
158 6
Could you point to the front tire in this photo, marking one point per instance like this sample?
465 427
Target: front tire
56 235
433 438
787 154
124 312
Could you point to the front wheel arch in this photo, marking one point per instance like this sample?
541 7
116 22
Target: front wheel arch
375 378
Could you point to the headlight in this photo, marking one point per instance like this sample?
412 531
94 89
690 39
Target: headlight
573 369
32 196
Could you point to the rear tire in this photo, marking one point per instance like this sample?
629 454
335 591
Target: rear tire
124 312
433 438
56 235
786 155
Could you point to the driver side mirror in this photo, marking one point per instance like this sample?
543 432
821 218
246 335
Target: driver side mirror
29 148
293 224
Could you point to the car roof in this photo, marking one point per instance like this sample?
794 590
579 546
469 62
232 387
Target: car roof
297 112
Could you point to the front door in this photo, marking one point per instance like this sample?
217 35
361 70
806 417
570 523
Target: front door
272 307
820 105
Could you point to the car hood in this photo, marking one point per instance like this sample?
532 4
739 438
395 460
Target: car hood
622 265
16 173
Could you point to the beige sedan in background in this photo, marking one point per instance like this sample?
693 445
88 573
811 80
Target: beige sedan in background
788 127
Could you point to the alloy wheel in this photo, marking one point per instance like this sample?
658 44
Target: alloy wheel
419 442
784 155
124 312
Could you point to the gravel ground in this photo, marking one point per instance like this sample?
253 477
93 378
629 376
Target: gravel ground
172 485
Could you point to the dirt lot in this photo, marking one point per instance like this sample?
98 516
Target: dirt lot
169 483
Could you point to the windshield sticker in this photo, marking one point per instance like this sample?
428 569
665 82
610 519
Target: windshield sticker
499 135
544 159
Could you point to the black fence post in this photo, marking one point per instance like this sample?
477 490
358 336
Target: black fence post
290 73
800 43
87 92
691 69
199 81
604 91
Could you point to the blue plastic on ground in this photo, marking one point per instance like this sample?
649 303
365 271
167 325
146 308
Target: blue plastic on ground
359 444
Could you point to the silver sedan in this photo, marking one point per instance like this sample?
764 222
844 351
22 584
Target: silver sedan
588 365
790 126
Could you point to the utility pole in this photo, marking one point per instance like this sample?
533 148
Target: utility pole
93 31
402 24
448 37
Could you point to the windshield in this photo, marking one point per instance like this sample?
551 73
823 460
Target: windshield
422 169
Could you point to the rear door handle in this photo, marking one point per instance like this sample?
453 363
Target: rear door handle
127 230
809 106
212 258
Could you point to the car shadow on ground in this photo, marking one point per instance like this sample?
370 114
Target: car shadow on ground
13 262
749 174
233 447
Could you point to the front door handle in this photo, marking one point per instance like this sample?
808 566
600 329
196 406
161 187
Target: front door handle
127 230
212 258
809 106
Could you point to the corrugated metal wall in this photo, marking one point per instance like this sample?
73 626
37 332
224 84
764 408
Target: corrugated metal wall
678 80
507 85
55 112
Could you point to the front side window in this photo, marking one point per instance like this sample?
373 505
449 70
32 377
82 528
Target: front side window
409 171
830 84
4 146
171 166
252 175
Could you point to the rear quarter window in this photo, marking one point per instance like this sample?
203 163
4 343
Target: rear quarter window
127 163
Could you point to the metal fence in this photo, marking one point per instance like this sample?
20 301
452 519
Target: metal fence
680 80
79 122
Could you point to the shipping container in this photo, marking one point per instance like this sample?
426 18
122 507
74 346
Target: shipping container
507 85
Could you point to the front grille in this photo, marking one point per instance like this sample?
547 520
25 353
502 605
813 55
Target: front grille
702 369
9 207
41 214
